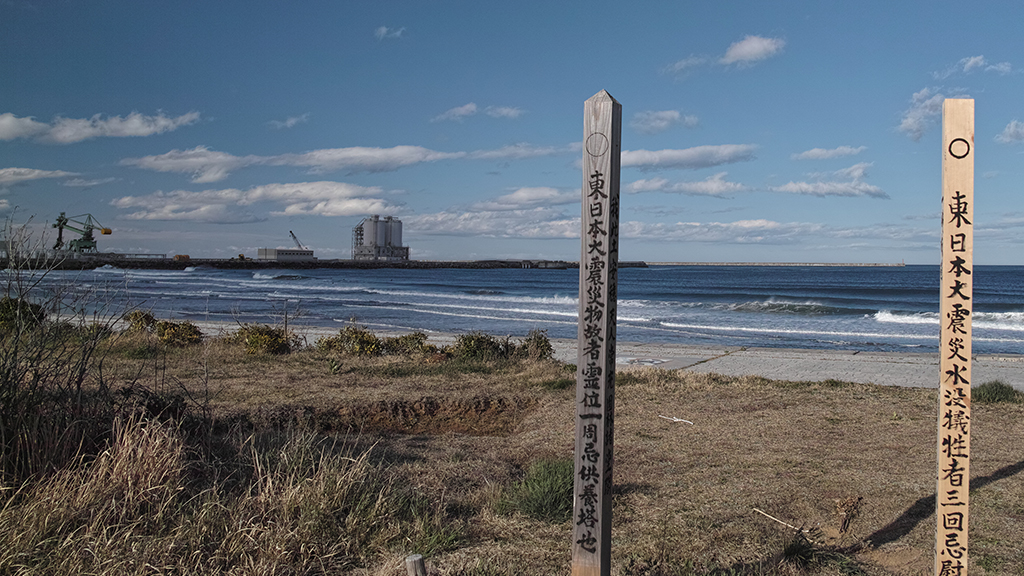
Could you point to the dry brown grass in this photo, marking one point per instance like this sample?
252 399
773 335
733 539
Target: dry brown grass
459 435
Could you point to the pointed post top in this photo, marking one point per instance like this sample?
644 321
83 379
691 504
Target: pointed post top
602 95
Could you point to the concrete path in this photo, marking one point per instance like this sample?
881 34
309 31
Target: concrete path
884 368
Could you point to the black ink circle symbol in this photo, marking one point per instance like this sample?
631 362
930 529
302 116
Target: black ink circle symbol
966 150
597 144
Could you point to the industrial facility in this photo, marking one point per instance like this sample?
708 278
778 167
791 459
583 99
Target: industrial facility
298 254
84 225
378 239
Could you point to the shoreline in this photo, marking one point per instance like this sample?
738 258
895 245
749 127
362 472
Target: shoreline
161 262
903 369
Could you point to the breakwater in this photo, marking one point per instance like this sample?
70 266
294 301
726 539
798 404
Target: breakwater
813 264
89 262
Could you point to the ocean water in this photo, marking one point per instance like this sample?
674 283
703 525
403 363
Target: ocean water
848 308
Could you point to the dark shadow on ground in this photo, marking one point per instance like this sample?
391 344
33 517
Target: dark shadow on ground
925 507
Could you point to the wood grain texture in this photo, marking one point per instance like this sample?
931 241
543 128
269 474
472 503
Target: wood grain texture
954 418
595 372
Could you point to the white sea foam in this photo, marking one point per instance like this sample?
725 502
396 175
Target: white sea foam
887 317
763 330
987 320
460 315
565 300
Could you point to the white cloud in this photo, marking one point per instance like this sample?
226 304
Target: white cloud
384 32
856 172
223 206
15 175
203 164
361 159
692 158
209 213
652 121
5 205
715 185
529 197
971 63
1002 68
1014 132
503 112
758 231
828 153
517 152
752 49
456 114
207 165
853 184
70 130
82 183
924 108
538 222
290 122
554 224
12 127
543 222
338 207
686 64
822 189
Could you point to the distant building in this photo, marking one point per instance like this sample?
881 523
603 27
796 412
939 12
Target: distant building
377 238
285 255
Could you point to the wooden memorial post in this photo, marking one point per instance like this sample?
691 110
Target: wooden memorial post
954 438
595 360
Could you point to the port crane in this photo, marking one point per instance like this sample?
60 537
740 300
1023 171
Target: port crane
296 240
84 245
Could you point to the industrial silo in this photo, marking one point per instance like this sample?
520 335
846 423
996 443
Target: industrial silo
386 223
380 229
396 233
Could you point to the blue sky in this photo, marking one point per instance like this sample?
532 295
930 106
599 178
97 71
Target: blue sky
752 131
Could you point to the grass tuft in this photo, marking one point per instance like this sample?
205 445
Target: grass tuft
148 501
996 392
545 493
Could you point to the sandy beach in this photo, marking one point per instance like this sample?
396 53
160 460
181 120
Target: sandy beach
919 370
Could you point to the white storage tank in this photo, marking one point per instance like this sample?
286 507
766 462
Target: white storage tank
380 232
370 226
396 232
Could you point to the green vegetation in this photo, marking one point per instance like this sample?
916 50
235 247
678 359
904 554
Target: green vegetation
263 339
352 340
477 346
473 347
18 314
178 333
140 321
545 493
995 392
407 345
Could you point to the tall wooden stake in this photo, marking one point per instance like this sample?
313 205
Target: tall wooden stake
954 438
595 360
